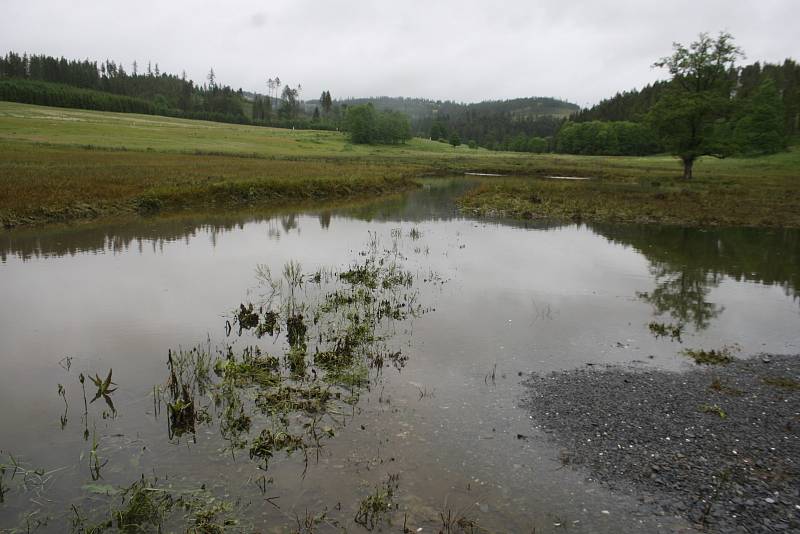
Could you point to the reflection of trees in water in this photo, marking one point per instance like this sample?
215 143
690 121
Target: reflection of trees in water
684 295
687 263
325 220
433 202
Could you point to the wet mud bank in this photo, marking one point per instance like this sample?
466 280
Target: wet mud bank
719 445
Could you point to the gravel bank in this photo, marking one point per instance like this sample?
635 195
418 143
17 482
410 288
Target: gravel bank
719 445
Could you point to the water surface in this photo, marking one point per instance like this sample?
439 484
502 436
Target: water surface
515 299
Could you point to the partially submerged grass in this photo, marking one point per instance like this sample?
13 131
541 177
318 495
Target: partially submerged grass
730 193
712 357
673 331
375 506
56 183
147 506
330 330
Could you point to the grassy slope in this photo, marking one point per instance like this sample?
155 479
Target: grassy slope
58 164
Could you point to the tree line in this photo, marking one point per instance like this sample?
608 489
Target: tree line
108 86
720 109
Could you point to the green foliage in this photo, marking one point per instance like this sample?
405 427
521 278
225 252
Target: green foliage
438 131
689 114
620 138
759 124
290 103
367 126
712 357
65 96
455 140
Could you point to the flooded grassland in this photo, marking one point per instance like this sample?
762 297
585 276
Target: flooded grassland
356 368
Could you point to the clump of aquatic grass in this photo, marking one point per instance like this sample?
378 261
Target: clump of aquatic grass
457 521
309 522
246 318
721 356
252 368
296 330
268 442
189 378
288 398
373 508
144 506
713 409
673 331
331 335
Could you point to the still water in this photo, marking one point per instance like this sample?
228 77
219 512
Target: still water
501 299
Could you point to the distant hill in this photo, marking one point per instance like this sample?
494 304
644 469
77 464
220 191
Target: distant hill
517 108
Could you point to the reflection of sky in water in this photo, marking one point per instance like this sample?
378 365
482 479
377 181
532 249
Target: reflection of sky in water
524 299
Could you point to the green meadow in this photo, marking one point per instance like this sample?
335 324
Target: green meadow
66 164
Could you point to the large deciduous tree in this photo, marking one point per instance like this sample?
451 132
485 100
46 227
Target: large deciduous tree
697 101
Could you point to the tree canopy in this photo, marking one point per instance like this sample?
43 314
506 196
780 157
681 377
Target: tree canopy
690 113
367 126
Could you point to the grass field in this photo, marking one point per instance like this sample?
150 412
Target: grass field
61 164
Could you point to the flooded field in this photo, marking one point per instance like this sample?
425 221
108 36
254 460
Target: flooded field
353 368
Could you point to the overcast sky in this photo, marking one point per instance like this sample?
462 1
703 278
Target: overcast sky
461 50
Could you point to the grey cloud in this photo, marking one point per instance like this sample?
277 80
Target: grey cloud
462 50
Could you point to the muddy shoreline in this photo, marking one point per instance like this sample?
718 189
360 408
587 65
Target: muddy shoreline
719 445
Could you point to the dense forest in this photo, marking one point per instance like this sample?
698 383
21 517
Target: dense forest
763 113
47 80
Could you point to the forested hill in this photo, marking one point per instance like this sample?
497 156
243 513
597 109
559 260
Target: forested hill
518 124
633 105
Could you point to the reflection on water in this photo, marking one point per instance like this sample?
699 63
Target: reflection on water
515 298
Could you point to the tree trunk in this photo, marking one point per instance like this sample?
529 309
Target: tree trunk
688 163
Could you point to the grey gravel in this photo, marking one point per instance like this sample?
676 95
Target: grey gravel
727 458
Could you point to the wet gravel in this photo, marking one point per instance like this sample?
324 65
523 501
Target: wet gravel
719 445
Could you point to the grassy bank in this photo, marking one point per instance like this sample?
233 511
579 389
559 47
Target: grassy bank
43 183
733 196
61 164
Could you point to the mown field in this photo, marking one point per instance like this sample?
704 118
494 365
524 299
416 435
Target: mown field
63 164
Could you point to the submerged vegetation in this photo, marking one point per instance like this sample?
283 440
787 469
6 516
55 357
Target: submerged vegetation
315 342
